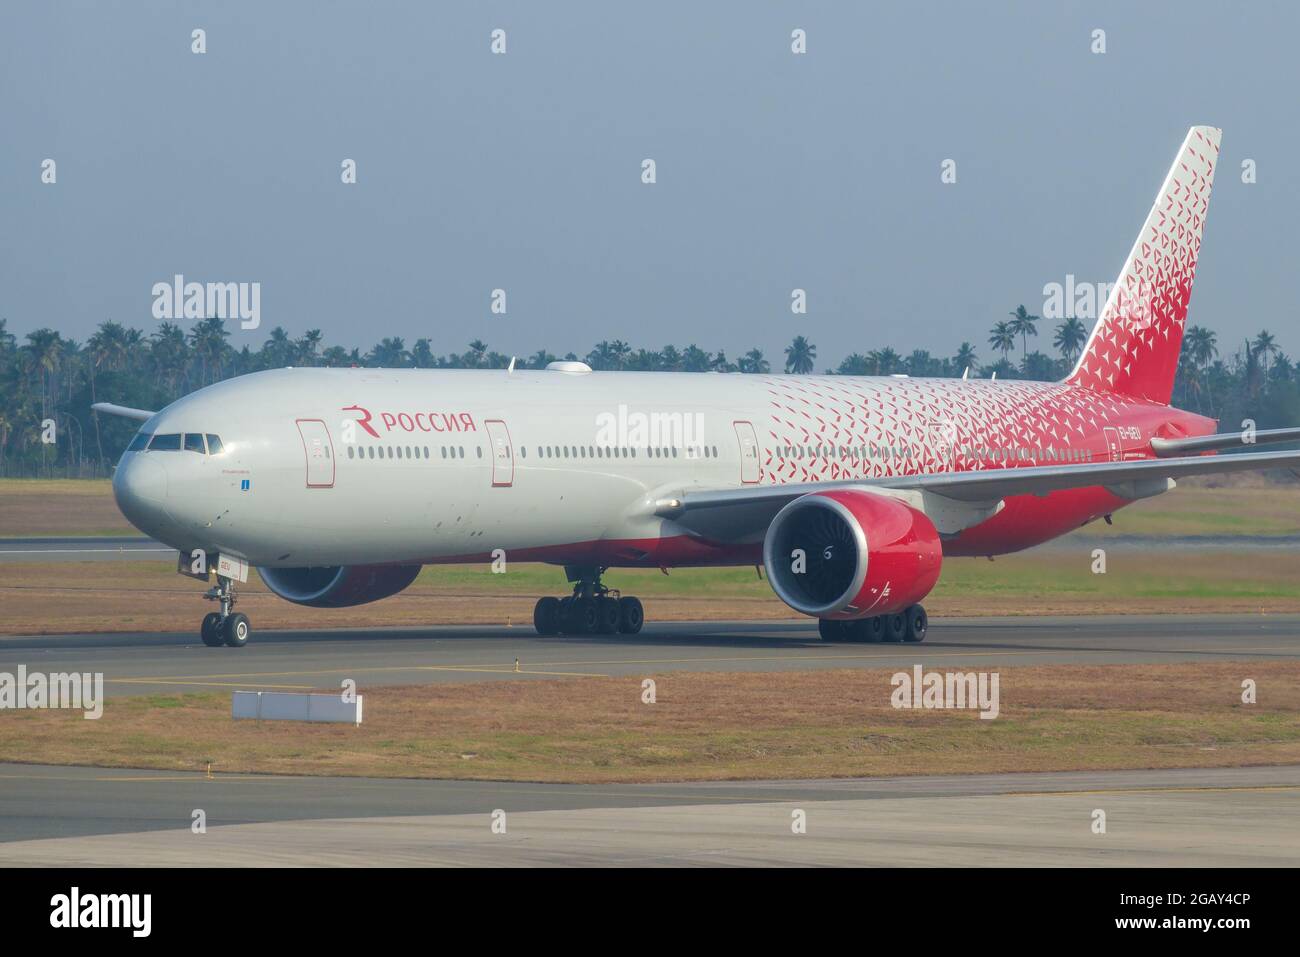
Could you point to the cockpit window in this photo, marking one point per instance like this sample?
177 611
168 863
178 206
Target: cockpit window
194 443
166 443
139 442
214 444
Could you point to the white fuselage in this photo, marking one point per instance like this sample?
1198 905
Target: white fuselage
361 466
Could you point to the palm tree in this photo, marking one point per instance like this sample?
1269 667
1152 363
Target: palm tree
643 360
169 355
541 359
855 364
422 356
884 361
1071 334
965 357
609 355
277 350
1003 338
1265 346
336 357
208 340
619 353
477 353
1202 346
307 348
44 351
670 360
695 359
390 353
753 361
1023 325
800 356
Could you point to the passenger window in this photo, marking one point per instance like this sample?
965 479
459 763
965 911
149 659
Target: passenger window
139 443
214 444
166 443
194 443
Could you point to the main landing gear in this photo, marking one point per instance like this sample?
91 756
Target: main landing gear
910 624
225 627
592 609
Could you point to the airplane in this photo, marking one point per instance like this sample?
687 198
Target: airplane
338 485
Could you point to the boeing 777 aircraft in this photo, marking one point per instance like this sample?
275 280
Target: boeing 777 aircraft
337 485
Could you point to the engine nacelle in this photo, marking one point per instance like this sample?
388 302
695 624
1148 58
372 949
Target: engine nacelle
851 554
338 586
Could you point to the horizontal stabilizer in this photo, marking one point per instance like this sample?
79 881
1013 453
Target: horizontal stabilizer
1166 448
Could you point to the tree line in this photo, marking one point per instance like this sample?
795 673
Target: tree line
48 382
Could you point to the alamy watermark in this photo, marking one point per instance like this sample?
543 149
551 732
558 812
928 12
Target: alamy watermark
80 691
679 430
179 299
944 690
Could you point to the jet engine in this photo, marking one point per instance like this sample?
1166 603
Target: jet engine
338 586
851 554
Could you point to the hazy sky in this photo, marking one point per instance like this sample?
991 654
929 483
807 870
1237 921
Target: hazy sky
523 172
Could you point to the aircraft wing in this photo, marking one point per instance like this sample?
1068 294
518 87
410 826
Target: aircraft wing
711 510
125 412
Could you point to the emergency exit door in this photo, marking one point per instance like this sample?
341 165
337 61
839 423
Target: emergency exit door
503 454
1113 448
750 467
319 451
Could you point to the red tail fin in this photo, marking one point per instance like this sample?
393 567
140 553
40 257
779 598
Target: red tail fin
1134 348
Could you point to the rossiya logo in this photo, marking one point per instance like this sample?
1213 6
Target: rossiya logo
411 421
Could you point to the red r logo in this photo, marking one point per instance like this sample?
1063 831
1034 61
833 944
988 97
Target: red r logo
363 420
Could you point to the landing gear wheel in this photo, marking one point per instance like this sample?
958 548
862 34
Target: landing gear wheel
874 628
895 627
917 623
608 617
832 630
546 616
210 630
631 616
236 630
583 617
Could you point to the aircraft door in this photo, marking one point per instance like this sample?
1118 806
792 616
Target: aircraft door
1112 443
319 452
751 468
502 453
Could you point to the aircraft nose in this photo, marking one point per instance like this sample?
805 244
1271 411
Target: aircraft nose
140 487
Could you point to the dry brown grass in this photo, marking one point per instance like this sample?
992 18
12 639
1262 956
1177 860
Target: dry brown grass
39 507
709 726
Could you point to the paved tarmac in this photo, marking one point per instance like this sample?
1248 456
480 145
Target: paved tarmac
303 660
51 816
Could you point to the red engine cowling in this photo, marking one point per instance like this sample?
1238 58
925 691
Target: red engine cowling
338 586
851 554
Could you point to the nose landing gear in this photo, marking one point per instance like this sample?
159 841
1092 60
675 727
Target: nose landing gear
592 609
909 625
224 627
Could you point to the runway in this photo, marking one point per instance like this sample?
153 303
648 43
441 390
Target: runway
88 549
53 816
292 660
